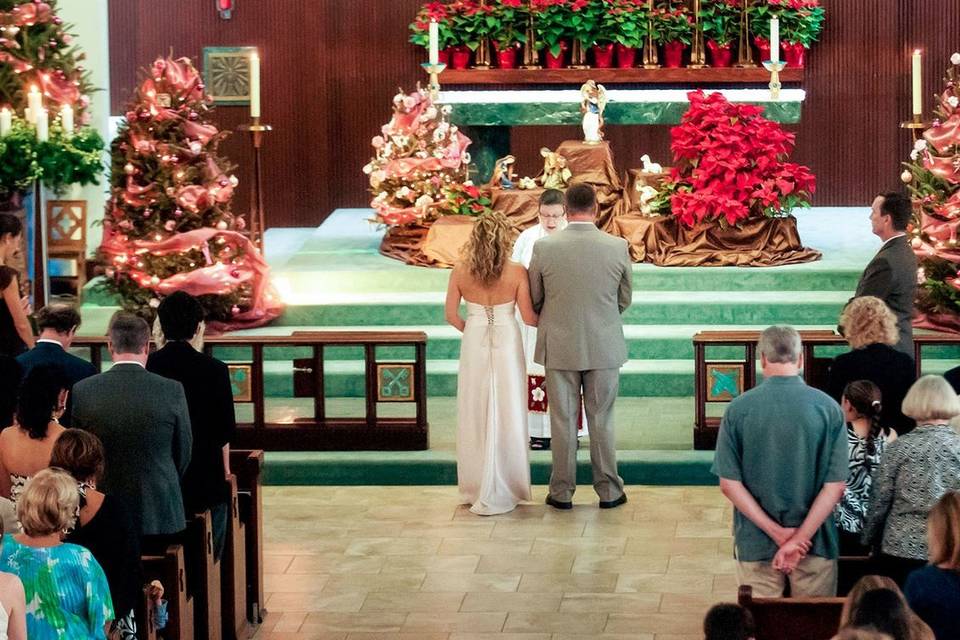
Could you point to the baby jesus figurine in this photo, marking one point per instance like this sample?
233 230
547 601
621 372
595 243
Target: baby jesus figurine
592 104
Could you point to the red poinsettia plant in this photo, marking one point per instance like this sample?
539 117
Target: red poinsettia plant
730 165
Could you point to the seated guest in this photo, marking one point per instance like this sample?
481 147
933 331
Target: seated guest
13 606
866 439
885 611
918 628
913 474
104 525
860 634
58 324
206 383
25 447
69 595
728 622
142 420
782 461
934 591
871 329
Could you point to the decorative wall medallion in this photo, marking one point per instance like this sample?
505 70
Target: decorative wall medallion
226 72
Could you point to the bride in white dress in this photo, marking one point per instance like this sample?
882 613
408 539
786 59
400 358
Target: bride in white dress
493 472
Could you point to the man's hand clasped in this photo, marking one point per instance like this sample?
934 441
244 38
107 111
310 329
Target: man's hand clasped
792 550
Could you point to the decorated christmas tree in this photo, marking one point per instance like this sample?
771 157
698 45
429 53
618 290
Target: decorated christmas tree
40 66
933 177
420 164
168 224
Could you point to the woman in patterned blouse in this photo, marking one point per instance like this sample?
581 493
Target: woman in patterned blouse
866 440
914 473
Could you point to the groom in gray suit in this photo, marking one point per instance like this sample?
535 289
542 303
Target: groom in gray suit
580 283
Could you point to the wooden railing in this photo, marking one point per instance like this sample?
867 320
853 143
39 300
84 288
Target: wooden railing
738 374
384 381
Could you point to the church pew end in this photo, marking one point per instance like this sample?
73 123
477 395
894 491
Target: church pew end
792 618
170 570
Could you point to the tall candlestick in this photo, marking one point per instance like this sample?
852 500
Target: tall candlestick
6 122
255 85
34 104
66 120
917 83
43 125
434 42
774 39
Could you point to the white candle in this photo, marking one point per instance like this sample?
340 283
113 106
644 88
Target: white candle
34 104
66 120
6 122
255 85
775 40
434 42
43 125
917 83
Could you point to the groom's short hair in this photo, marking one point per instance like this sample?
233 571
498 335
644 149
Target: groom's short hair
581 199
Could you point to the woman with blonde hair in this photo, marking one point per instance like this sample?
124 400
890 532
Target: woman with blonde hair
493 473
918 628
916 470
65 587
870 328
934 591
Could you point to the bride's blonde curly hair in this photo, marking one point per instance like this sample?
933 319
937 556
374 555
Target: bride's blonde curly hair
489 247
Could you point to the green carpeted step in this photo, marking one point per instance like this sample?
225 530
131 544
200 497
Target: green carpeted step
648 467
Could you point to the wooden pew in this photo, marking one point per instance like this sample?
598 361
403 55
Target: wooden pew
792 618
233 576
170 570
248 467
203 577
144 613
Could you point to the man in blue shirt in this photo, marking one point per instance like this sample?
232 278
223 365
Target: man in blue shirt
782 461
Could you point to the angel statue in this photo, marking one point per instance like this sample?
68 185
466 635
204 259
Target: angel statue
555 174
593 102
503 173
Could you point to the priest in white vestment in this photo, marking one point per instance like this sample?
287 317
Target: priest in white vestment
552 218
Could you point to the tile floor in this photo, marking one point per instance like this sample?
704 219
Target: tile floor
371 563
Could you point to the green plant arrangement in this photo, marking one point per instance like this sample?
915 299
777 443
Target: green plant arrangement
721 21
625 22
672 24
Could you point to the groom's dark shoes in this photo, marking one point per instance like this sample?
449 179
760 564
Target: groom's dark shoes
558 504
612 504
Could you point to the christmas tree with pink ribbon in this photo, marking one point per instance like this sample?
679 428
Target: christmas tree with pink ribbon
168 225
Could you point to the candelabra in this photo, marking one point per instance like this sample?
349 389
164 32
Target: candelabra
916 125
650 57
257 220
530 60
434 71
698 55
578 55
774 68
744 52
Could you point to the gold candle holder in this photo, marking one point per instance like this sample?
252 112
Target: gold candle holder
578 57
916 125
698 54
481 59
774 68
745 51
651 59
434 71
257 219
530 58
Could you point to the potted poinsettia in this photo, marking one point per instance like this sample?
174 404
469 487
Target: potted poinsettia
508 31
420 28
673 28
552 18
583 28
721 26
801 22
475 22
627 22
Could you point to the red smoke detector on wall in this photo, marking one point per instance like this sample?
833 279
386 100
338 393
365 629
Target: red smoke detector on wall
225 8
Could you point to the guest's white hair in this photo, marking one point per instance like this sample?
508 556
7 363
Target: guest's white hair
931 398
780 344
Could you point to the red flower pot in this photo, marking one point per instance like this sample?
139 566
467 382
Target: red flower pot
763 46
460 57
794 54
506 58
626 56
673 54
721 55
555 62
603 55
443 56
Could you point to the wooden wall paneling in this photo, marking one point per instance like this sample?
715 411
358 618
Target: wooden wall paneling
330 70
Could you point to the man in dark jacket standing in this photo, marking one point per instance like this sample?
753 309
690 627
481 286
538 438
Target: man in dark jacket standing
206 382
892 274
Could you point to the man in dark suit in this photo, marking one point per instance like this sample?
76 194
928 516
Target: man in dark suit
58 324
206 383
143 422
892 274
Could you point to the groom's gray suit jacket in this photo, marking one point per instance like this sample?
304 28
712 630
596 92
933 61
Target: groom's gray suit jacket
580 283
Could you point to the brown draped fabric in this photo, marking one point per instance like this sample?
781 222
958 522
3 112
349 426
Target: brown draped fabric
765 242
593 164
947 322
